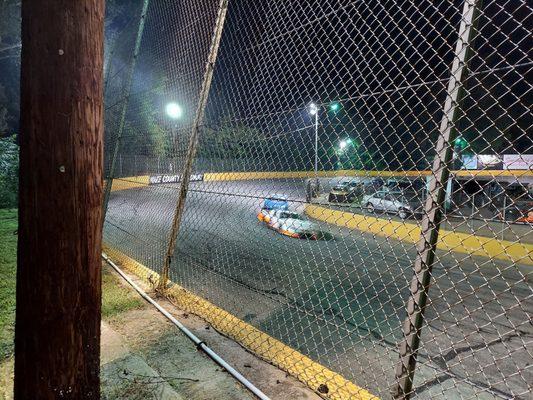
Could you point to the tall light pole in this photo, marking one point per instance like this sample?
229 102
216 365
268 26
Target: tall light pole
313 110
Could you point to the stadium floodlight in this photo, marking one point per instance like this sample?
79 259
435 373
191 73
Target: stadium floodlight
174 110
461 142
344 143
335 106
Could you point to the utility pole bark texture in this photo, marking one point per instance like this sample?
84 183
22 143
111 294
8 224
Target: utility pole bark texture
57 333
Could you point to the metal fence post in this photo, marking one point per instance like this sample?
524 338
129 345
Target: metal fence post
473 213
193 141
503 215
433 207
127 89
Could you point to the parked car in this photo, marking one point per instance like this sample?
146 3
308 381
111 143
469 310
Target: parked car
291 224
389 202
276 202
520 211
346 192
518 203
398 185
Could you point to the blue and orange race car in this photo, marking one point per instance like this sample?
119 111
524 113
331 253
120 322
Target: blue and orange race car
291 224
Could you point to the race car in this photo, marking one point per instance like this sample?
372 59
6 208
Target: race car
290 223
276 202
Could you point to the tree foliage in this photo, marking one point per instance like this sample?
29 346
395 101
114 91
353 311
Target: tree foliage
356 156
9 167
144 132
9 66
231 140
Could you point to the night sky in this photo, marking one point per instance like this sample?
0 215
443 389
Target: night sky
386 63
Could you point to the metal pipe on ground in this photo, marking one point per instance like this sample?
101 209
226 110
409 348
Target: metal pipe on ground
198 342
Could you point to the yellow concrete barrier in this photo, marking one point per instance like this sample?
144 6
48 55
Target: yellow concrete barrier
245 176
140 181
130 182
234 176
449 241
263 345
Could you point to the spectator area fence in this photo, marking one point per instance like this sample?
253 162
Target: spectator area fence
212 107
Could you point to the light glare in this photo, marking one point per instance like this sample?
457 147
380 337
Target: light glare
174 110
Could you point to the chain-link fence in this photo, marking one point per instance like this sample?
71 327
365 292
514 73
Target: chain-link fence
353 200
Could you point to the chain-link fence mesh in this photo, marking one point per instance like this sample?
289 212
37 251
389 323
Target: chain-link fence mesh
335 124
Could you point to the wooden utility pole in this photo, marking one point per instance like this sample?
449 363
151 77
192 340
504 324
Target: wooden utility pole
57 333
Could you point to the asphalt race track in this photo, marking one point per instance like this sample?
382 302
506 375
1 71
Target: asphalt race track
339 301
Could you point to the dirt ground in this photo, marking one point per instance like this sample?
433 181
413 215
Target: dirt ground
180 369
145 356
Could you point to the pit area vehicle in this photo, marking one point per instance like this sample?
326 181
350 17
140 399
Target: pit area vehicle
346 192
389 202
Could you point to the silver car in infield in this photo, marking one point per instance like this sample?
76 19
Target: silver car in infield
390 202
291 224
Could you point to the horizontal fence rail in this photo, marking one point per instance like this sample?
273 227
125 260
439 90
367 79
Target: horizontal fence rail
344 188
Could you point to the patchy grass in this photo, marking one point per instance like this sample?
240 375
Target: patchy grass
116 296
8 269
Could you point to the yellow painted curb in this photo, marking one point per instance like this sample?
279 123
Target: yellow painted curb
272 350
450 241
